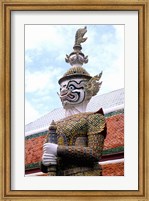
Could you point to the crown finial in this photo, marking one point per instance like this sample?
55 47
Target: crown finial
77 58
79 38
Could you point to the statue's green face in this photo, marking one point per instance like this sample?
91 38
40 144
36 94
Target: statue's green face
72 91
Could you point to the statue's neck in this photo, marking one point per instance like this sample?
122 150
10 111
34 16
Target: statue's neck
75 109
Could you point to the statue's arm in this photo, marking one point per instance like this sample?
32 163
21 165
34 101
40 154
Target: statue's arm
75 154
93 152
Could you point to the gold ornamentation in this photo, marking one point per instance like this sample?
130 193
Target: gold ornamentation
92 86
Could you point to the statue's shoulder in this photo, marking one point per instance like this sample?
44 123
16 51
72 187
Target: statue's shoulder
96 117
96 122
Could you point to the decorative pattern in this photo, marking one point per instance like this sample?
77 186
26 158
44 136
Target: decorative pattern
96 124
82 123
80 139
78 153
77 70
92 87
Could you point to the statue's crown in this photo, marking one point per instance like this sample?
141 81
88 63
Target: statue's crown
77 58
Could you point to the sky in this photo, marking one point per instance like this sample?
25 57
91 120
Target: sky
46 47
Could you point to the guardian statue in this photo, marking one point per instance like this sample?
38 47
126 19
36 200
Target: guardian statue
74 144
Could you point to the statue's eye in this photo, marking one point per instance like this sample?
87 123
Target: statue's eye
71 87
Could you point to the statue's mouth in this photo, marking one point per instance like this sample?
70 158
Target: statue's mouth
64 95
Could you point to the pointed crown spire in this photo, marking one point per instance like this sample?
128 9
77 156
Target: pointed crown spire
77 58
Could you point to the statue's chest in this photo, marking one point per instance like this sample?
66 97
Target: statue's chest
71 131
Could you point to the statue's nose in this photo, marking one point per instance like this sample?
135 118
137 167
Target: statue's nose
63 91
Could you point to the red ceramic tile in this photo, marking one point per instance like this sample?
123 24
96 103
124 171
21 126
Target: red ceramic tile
116 169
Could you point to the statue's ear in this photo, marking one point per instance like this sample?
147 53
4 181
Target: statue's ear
93 86
96 87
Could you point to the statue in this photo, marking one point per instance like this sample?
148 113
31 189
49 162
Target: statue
80 135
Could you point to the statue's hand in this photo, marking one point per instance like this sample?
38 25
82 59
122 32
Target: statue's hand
50 148
49 159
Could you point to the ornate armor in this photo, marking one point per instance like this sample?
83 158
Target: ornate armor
80 138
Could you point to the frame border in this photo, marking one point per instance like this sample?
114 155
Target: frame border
5 100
